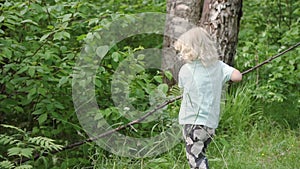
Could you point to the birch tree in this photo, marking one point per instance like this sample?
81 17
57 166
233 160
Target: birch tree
221 19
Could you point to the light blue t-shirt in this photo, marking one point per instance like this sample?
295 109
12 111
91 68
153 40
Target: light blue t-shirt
202 88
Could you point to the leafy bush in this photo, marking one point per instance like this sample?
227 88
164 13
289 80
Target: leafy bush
22 145
40 41
271 29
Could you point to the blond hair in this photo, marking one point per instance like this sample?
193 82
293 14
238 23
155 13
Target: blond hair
196 44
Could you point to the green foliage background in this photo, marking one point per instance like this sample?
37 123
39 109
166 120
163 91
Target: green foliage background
41 39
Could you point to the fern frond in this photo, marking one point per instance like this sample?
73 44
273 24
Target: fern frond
13 127
17 151
6 164
24 167
175 91
4 139
45 143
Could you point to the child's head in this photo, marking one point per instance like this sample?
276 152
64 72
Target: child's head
196 44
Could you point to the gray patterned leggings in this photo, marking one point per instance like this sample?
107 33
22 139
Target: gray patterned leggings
197 137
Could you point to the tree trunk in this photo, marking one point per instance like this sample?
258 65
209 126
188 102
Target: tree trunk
180 12
220 18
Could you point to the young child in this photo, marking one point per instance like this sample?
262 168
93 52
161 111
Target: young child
201 78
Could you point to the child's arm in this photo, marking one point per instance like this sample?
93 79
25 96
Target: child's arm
236 76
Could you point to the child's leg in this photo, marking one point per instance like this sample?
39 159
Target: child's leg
197 137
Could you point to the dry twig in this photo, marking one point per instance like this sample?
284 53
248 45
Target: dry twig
162 105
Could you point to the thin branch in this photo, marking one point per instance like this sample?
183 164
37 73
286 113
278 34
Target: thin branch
107 133
38 49
271 58
162 105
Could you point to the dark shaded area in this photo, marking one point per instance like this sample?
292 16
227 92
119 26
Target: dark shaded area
284 113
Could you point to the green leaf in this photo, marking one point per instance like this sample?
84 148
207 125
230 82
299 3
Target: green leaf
141 57
42 118
25 166
59 105
66 35
19 109
37 112
61 35
42 91
64 26
22 12
17 80
2 18
6 164
163 87
50 27
7 53
138 68
158 79
58 36
14 151
98 83
31 71
13 127
35 130
27 152
81 37
98 116
63 80
37 7
45 36
115 56
4 140
168 74
31 93
26 101
45 142
30 21
93 21
23 69
66 17
102 50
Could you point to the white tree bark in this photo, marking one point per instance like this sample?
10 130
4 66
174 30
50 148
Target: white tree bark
220 18
180 12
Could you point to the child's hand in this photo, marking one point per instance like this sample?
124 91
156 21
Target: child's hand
236 76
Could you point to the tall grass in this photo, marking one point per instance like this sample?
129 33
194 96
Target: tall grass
251 139
247 138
